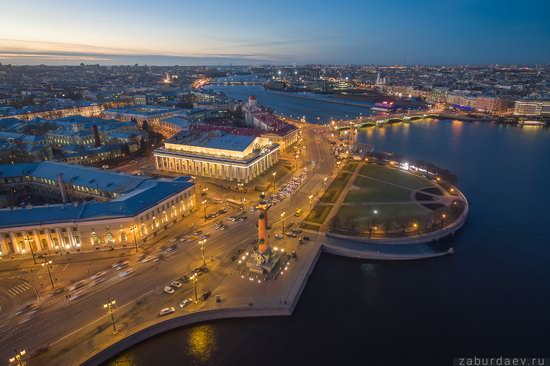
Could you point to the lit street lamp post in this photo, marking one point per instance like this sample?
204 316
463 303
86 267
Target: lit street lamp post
283 223
28 240
310 200
134 229
204 205
18 358
67 247
110 309
274 174
241 188
202 245
47 264
194 279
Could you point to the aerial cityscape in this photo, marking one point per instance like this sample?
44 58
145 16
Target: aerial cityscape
300 183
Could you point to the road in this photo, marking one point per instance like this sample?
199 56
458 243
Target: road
139 296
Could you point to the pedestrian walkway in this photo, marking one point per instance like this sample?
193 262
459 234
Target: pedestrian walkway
340 199
19 289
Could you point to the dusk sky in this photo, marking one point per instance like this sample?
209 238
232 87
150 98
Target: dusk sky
169 32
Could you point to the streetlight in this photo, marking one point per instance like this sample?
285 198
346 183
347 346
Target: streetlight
134 229
274 174
310 199
204 205
17 358
241 188
194 278
202 245
283 223
325 181
28 240
47 264
110 309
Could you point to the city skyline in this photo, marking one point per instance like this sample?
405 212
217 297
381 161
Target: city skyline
210 33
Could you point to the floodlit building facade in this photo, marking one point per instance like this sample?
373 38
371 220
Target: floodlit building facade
94 209
218 155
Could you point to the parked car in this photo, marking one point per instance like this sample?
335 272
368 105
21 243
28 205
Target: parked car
205 295
175 284
279 236
166 311
168 290
184 279
186 302
39 351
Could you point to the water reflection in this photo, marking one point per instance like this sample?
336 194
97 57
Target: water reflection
126 359
201 342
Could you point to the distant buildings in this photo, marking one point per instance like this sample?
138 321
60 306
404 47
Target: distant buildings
92 209
532 108
217 155
74 139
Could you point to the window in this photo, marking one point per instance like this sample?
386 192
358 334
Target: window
123 237
109 239
94 238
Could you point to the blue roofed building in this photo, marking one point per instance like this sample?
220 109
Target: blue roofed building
89 209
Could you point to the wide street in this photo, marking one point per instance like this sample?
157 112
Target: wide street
59 320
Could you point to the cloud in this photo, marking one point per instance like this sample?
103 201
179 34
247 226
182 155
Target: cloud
30 52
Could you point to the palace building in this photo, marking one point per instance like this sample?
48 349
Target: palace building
84 209
217 154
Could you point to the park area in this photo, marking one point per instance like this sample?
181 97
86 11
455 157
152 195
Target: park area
374 200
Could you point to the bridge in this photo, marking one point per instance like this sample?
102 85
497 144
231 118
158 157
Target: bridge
380 121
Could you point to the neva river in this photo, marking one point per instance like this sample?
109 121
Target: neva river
491 298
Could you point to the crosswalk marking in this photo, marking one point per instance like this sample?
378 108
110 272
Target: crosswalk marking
18 289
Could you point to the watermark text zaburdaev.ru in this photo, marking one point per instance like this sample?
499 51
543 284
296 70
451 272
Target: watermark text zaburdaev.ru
501 361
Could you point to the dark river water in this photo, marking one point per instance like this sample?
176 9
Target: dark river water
491 298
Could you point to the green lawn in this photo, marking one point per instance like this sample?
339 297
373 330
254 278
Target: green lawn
335 188
319 214
351 166
362 213
394 176
374 191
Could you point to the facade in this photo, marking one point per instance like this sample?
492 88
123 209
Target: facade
532 108
218 155
277 130
491 104
99 209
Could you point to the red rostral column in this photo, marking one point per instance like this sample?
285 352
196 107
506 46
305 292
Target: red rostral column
263 241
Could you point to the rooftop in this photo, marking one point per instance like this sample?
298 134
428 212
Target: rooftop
139 194
213 140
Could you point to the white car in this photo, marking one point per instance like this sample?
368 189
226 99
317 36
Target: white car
129 271
175 284
166 311
172 240
279 236
186 302
147 259
168 290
